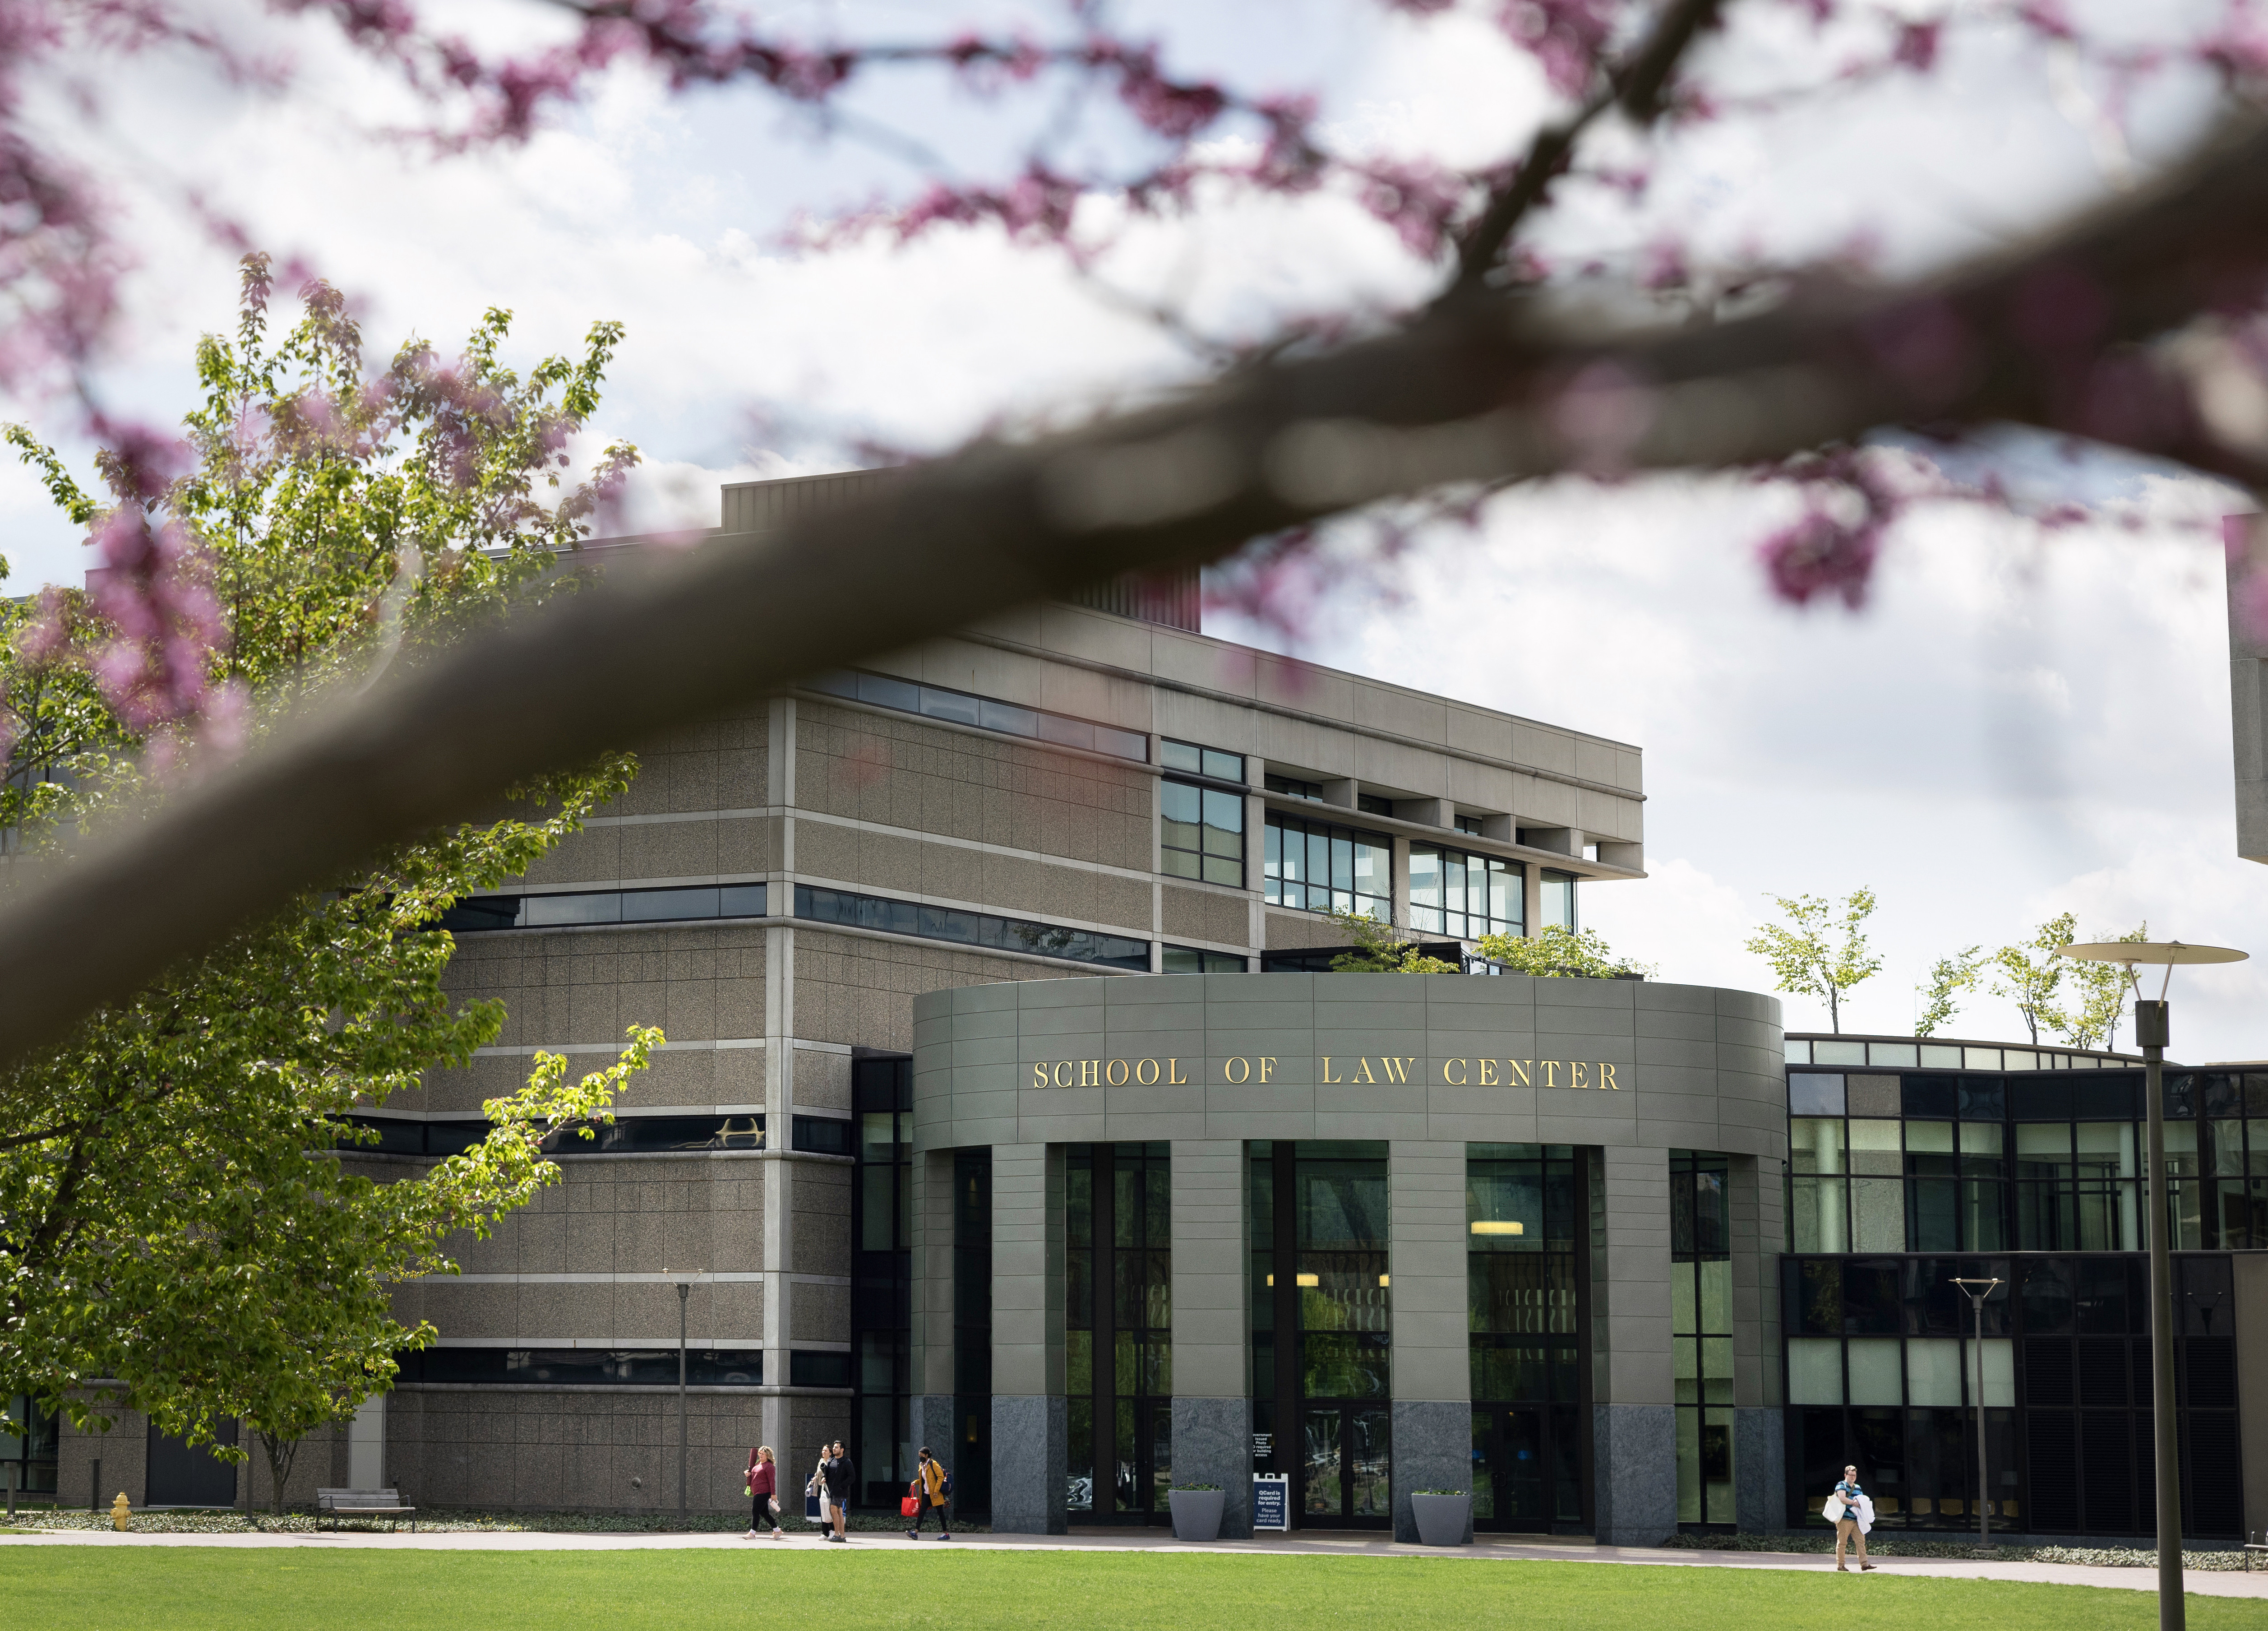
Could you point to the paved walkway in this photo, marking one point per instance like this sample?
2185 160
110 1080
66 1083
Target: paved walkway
1310 1544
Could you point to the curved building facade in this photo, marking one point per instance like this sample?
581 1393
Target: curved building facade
1368 1233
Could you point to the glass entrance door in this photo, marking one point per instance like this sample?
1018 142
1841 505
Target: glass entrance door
1345 1464
1145 1458
1510 1490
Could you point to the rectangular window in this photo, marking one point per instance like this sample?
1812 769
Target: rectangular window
1313 867
1469 824
1291 787
572 908
1199 760
934 702
1701 1334
1558 901
1466 896
970 928
1118 1337
1374 804
1202 833
1189 960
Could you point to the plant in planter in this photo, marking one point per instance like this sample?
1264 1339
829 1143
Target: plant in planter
1445 1516
1196 1512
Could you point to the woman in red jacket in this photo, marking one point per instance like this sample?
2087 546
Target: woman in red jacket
763 1492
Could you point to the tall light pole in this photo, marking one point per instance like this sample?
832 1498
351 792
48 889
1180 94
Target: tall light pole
1976 1291
2152 1034
684 1291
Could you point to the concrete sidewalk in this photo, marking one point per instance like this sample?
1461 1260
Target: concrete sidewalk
1310 1545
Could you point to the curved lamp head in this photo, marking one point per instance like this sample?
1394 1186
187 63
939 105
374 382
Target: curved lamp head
2168 952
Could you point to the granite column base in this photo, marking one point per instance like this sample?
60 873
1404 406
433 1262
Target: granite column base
1031 1463
1213 1444
1634 1474
1760 1470
1433 1449
928 1421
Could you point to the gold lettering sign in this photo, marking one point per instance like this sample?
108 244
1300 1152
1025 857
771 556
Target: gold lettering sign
1392 1070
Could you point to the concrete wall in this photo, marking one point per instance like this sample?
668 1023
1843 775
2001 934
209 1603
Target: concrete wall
1396 1058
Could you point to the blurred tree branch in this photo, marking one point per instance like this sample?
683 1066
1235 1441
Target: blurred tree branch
2111 327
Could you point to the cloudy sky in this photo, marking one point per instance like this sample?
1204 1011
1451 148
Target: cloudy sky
2019 723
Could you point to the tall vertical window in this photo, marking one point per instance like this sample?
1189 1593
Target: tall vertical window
1320 1329
1701 1334
1203 834
1522 1213
1559 903
882 1269
1118 1319
1466 896
30 1451
972 1331
1312 866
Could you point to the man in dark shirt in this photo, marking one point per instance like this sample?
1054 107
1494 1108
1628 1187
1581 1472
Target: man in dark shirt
842 1478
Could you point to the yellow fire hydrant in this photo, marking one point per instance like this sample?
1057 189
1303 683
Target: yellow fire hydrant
121 1512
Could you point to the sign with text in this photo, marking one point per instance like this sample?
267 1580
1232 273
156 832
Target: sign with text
1331 1070
1271 1500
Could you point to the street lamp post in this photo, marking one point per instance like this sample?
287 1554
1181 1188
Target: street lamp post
684 1291
2152 1034
1976 1291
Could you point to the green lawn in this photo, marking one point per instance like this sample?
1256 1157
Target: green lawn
189 1589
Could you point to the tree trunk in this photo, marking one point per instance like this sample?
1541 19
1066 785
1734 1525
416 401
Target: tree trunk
281 1454
1834 1010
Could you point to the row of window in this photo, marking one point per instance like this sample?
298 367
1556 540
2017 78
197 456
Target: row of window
620 1367
2060 1296
970 928
936 702
1926 1055
572 908
625 1135
2189 1094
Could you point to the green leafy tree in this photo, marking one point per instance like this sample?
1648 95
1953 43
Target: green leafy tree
1948 979
2030 975
1557 952
2103 989
1381 948
1817 953
181 1210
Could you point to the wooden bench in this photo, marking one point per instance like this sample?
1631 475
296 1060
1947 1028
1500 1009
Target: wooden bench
2252 1547
337 1503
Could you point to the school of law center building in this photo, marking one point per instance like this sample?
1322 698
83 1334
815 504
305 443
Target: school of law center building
1009 1107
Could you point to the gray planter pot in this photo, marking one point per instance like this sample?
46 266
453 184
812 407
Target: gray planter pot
1443 1520
1196 1513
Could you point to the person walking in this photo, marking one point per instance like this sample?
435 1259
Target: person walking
842 1478
763 1492
817 1486
932 1486
1852 1511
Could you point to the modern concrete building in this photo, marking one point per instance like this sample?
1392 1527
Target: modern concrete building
1002 1077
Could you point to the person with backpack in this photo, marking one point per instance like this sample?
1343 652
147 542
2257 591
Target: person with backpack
933 1488
763 1491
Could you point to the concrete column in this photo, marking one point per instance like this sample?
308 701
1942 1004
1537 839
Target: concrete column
1432 1365
1633 1424
931 1362
1031 1455
1401 882
1212 1353
2250 1326
1759 1458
